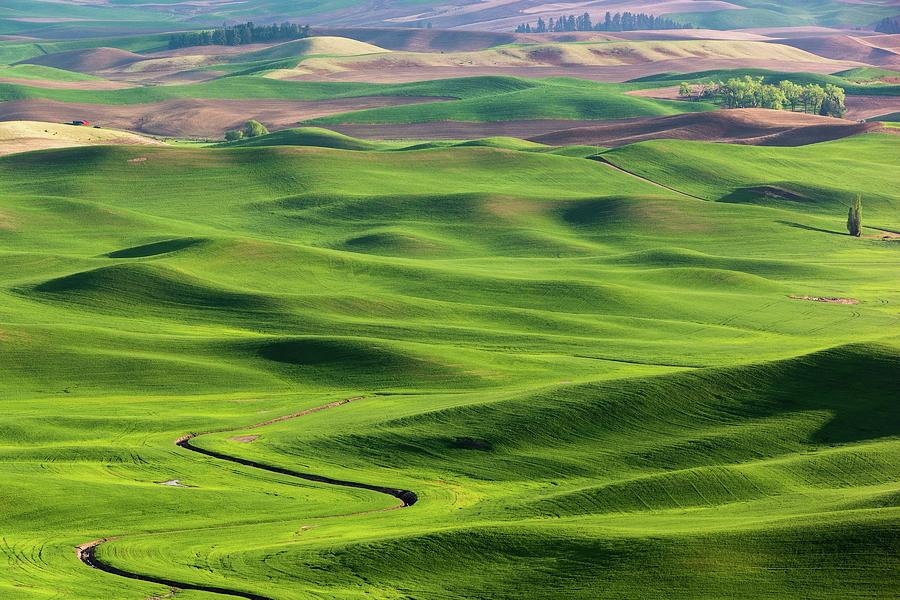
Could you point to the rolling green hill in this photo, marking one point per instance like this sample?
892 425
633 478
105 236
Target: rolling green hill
487 98
599 381
762 13
554 98
41 72
324 138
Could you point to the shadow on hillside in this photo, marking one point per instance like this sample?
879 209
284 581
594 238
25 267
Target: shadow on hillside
811 228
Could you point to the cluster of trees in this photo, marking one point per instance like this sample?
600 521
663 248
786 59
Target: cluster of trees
751 92
626 21
888 25
236 35
251 128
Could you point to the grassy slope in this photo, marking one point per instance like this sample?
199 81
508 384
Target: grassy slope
15 51
556 98
45 73
598 386
487 98
324 138
821 177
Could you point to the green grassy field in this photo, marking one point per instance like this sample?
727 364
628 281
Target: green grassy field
554 98
596 381
763 13
740 13
867 74
488 98
324 138
40 72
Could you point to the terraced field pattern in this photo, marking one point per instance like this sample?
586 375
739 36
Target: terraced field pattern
312 366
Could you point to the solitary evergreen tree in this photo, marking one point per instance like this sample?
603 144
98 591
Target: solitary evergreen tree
854 217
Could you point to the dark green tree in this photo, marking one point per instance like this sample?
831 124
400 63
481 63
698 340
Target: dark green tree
854 217
833 103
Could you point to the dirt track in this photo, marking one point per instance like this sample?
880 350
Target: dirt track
193 117
87 552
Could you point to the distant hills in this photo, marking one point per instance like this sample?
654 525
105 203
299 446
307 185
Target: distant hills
60 16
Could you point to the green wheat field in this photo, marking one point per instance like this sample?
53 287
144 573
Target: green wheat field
599 370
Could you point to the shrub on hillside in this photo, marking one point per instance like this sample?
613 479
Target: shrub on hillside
254 128
833 102
234 135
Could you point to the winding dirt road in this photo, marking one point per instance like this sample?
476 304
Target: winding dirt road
87 552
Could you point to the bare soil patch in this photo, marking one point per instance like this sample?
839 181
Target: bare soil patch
797 31
7 222
421 40
742 126
243 439
661 93
691 34
826 299
611 73
194 117
210 50
86 61
25 136
99 84
887 40
866 107
845 47
883 234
